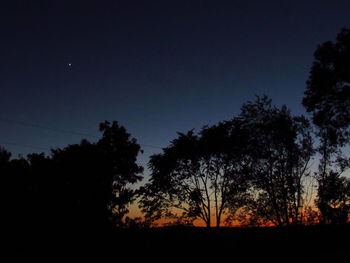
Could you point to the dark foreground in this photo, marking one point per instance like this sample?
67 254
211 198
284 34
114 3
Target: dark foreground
180 244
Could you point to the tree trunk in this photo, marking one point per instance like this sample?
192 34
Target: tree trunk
218 219
208 222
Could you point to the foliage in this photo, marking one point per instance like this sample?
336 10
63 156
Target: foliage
195 174
120 154
280 147
327 97
334 198
85 185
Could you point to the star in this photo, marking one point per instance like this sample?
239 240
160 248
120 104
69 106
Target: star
69 64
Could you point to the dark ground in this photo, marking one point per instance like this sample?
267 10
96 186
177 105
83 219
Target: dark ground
290 244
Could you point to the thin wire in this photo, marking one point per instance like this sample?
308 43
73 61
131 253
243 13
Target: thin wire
151 146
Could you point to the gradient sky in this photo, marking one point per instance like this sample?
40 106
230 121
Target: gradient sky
157 67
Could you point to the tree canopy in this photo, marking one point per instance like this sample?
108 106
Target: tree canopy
280 147
86 185
197 174
327 97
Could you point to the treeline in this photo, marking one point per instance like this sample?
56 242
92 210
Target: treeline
252 169
84 185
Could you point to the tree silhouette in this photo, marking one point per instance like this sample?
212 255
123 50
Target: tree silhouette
327 97
95 178
17 189
40 191
82 186
4 157
196 174
9 188
225 154
334 203
120 153
280 146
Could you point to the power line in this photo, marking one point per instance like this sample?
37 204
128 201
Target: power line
151 146
43 127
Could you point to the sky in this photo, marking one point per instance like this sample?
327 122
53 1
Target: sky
157 67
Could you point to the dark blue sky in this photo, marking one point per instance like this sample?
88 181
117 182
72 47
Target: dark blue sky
155 66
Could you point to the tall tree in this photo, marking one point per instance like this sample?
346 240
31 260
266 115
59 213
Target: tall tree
327 98
96 178
120 153
327 95
225 154
197 175
281 146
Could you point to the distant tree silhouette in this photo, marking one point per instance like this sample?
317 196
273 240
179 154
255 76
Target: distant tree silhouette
136 223
4 157
280 147
5 166
327 98
196 174
334 203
